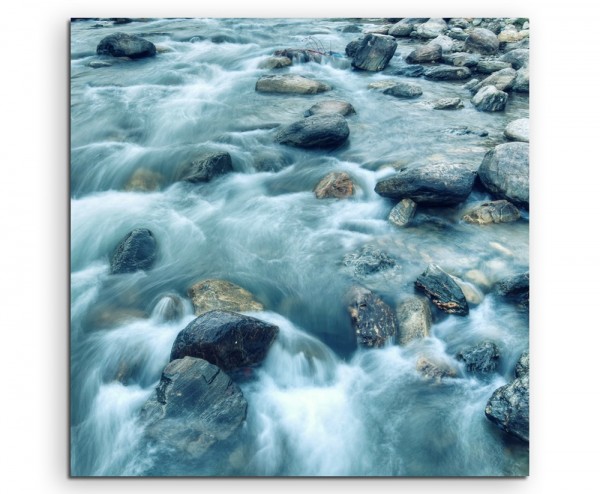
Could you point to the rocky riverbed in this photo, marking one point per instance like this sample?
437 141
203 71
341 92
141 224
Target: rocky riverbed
300 247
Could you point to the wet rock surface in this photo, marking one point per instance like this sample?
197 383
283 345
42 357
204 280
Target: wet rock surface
317 131
504 171
414 320
290 83
208 166
137 251
442 290
403 212
490 99
336 185
126 45
492 212
514 289
373 52
210 295
373 320
404 90
482 358
329 107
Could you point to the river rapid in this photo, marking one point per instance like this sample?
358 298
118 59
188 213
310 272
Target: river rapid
317 405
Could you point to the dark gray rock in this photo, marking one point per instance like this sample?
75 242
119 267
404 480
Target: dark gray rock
352 47
126 45
374 52
434 184
425 54
518 130
336 185
411 71
299 55
483 41
522 367
351 28
208 166
492 212
461 59
290 83
490 66
137 251
373 320
447 73
508 408
489 98
369 260
502 80
329 107
517 58
459 22
466 131
317 131
515 289
226 339
471 84
196 406
442 290
458 34
482 358
414 320
404 90
405 27
403 212
521 84
504 171
448 104
432 28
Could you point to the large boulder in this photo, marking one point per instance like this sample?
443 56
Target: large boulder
489 98
226 339
317 131
447 73
482 358
403 212
445 42
504 171
290 83
210 295
492 212
405 27
373 320
404 90
514 289
482 41
374 52
208 166
518 130
432 28
126 45
136 251
442 290
502 80
336 185
329 107
433 184
414 320
196 406
368 260
425 54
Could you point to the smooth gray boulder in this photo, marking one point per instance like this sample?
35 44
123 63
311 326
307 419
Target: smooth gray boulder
405 27
448 104
373 320
490 99
275 63
504 171
425 54
442 290
432 28
518 130
317 131
447 73
329 107
136 251
482 41
517 58
404 90
521 84
374 52
502 80
290 84
126 45
461 59
403 212
491 66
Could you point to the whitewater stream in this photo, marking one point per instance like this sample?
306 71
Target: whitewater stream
317 405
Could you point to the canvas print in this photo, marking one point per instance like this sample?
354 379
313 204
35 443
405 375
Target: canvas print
299 247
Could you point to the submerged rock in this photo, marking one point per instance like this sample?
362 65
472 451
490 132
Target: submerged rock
337 185
126 45
448 104
275 63
195 407
374 52
447 73
515 289
403 212
369 260
434 184
404 90
518 130
208 166
492 212
299 55
290 83
414 320
442 290
137 251
425 54
317 131
504 171
434 370
489 98
373 320
226 339
481 359
330 107
144 180
483 41
210 295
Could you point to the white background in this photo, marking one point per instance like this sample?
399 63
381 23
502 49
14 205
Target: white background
565 451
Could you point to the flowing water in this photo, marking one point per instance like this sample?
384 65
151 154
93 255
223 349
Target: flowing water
317 405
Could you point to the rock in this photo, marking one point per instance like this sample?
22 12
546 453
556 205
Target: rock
515 289
444 41
433 184
144 180
335 185
432 28
290 83
402 213
411 71
373 320
480 359
522 367
368 260
380 30
447 73
168 308
508 408
225 339
504 171
434 370
317 131
442 290
385 84
126 45
502 80
482 41
352 47
492 212
461 59
195 406
374 52
510 35
489 98
521 84
299 55
471 84
210 295
97 64
351 28
414 320
208 166
425 54
466 131
518 45
329 107
404 90
457 34
518 130
137 251
275 63
405 27
517 58
490 66
478 278
448 104
470 291
458 22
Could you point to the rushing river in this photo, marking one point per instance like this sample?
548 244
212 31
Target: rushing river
317 405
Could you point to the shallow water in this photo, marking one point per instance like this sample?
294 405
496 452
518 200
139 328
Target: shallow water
317 406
